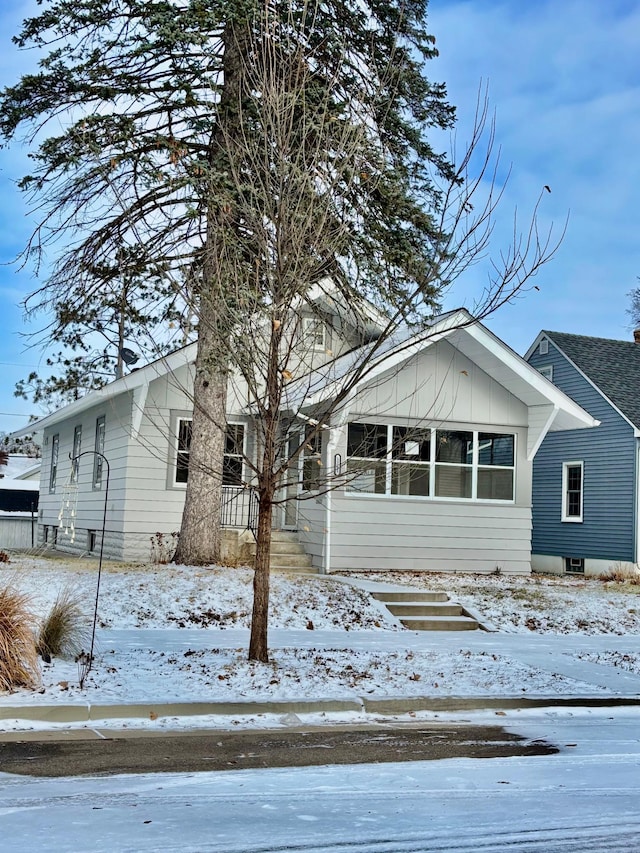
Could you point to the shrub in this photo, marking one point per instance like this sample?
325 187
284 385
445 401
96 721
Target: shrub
18 656
4 557
65 629
622 573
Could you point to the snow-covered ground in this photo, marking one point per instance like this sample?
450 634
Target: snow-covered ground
535 603
179 634
582 799
169 633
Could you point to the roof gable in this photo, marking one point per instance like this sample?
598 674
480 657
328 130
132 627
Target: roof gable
612 366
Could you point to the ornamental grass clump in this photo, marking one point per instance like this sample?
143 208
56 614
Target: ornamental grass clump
19 666
65 630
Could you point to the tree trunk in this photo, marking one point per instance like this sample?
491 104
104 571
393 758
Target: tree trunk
258 644
200 534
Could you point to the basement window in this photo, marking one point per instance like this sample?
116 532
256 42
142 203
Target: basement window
574 565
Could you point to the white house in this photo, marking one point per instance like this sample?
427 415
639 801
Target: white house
432 451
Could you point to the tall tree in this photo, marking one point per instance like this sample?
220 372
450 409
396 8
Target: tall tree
255 150
95 322
139 98
327 206
634 309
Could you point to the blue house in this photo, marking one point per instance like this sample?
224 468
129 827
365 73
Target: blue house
586 483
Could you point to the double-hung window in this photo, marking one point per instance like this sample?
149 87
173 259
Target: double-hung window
232 464
431 463
98 462
233 455
572 491
495 466
312 460
77 447
410 465
454 464
53 473
314 332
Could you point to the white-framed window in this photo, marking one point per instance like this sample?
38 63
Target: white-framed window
312 460
430 463
77 447
546 371
98 461
543 347
411 461
234 452
572 491
314 332
232 463
182 453
574 565
53 473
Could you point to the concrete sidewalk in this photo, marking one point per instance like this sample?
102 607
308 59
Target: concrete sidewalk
551 653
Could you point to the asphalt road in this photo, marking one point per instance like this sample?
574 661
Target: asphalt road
216 750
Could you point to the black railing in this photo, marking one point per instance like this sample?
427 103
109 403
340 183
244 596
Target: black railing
240 505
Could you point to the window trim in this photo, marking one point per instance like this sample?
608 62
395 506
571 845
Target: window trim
53 470
546 370
77 448
314 324
574 565
475 466
177 419
98 446
572 519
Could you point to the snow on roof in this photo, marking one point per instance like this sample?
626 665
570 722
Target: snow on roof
19 463
15 485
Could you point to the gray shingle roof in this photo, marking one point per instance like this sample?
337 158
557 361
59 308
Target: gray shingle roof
613 366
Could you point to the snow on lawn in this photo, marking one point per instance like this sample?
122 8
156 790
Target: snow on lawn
187 597
218 675
535 603
621 660
152 667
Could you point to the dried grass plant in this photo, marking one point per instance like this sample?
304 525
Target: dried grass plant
66 629
624 573
19 665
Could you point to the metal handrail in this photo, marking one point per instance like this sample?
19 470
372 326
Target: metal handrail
240 507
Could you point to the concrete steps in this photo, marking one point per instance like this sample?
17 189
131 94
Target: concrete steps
288 555
426 611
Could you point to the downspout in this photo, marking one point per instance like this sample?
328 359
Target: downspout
335 432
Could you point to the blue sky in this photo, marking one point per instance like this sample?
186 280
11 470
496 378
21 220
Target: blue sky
564 82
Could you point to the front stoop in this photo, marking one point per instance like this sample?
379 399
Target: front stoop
287 554
426 611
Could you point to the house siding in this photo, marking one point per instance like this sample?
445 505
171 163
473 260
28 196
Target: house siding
407 535
608 452
90 501
440 388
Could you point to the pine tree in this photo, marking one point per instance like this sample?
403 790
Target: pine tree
254 150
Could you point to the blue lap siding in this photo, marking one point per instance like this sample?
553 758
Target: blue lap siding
608 453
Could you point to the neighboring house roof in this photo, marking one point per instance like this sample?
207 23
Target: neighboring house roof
19 485
612 366
19 465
